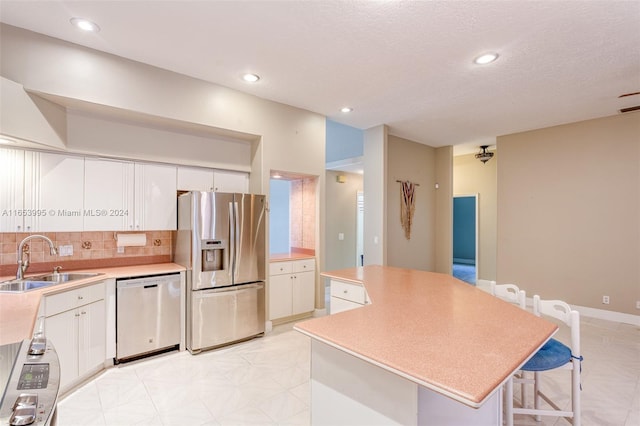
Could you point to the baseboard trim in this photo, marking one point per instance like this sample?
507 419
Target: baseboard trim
602 314
320 312
608 315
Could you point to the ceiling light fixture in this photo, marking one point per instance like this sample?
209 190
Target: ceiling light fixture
85 25
346 109
251 78
485 59
484 155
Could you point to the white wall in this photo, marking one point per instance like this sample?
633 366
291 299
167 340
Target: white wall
287 138
375 210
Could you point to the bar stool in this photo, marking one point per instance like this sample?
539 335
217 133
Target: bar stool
553 355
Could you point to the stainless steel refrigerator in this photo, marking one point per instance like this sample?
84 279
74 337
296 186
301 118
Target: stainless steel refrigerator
221 242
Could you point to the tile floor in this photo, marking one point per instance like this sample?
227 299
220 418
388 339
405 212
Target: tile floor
265 381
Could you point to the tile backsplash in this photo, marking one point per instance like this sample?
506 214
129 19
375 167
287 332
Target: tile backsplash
90 249
303 213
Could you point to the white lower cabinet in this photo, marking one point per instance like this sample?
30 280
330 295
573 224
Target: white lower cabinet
345 296
76 323
291 288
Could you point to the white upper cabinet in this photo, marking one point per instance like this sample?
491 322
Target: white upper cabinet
50 192
108 195
11 190
156 207
228 181
40 191
125 196
57 182
195 179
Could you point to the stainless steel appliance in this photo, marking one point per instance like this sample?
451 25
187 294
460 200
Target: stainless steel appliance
221 243
147 315
29 382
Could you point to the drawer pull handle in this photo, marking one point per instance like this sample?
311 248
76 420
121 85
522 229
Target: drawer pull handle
79 297
345 291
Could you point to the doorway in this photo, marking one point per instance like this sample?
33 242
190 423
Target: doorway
465 238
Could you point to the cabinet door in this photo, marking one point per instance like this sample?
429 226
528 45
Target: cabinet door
156 207
62 331
91 336
59 187
108 195
227 181
280 296
195 179
303 292
11 190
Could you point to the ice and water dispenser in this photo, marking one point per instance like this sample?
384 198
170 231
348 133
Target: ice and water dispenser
213 255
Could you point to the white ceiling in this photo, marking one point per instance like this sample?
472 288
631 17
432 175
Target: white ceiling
407 64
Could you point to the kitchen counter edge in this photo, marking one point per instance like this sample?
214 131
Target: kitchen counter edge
18 311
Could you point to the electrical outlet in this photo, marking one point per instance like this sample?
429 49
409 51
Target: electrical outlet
605 300
637 304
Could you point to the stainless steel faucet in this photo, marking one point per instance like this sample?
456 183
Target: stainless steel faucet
23 265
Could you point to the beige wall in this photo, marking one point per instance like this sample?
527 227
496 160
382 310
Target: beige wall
341 218
569 212
472 177
407 160
444 209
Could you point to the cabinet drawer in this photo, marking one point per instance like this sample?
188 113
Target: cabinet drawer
352 292
340 305
304 265
71 299
279 268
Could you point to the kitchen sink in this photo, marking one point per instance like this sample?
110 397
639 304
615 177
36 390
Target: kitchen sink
63 277
41 281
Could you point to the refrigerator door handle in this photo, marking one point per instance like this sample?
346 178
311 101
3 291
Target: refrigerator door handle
232 242
237 238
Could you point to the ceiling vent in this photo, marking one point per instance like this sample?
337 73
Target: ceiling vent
629 109
633 108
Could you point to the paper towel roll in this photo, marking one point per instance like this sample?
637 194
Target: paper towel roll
131 240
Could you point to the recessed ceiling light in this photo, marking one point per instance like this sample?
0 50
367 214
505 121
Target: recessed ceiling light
251 78
487 58
346 109
85 25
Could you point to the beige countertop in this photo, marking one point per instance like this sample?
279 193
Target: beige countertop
18 311
434 330
283 257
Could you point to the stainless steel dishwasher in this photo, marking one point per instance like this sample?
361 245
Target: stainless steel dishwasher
147 315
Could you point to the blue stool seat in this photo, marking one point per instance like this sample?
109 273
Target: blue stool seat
552 355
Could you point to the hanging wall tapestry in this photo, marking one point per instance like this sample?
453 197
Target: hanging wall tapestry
407 206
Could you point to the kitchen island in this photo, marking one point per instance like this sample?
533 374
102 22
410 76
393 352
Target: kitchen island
428 349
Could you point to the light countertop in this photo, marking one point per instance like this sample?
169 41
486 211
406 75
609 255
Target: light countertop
283 257
434 330
18 311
